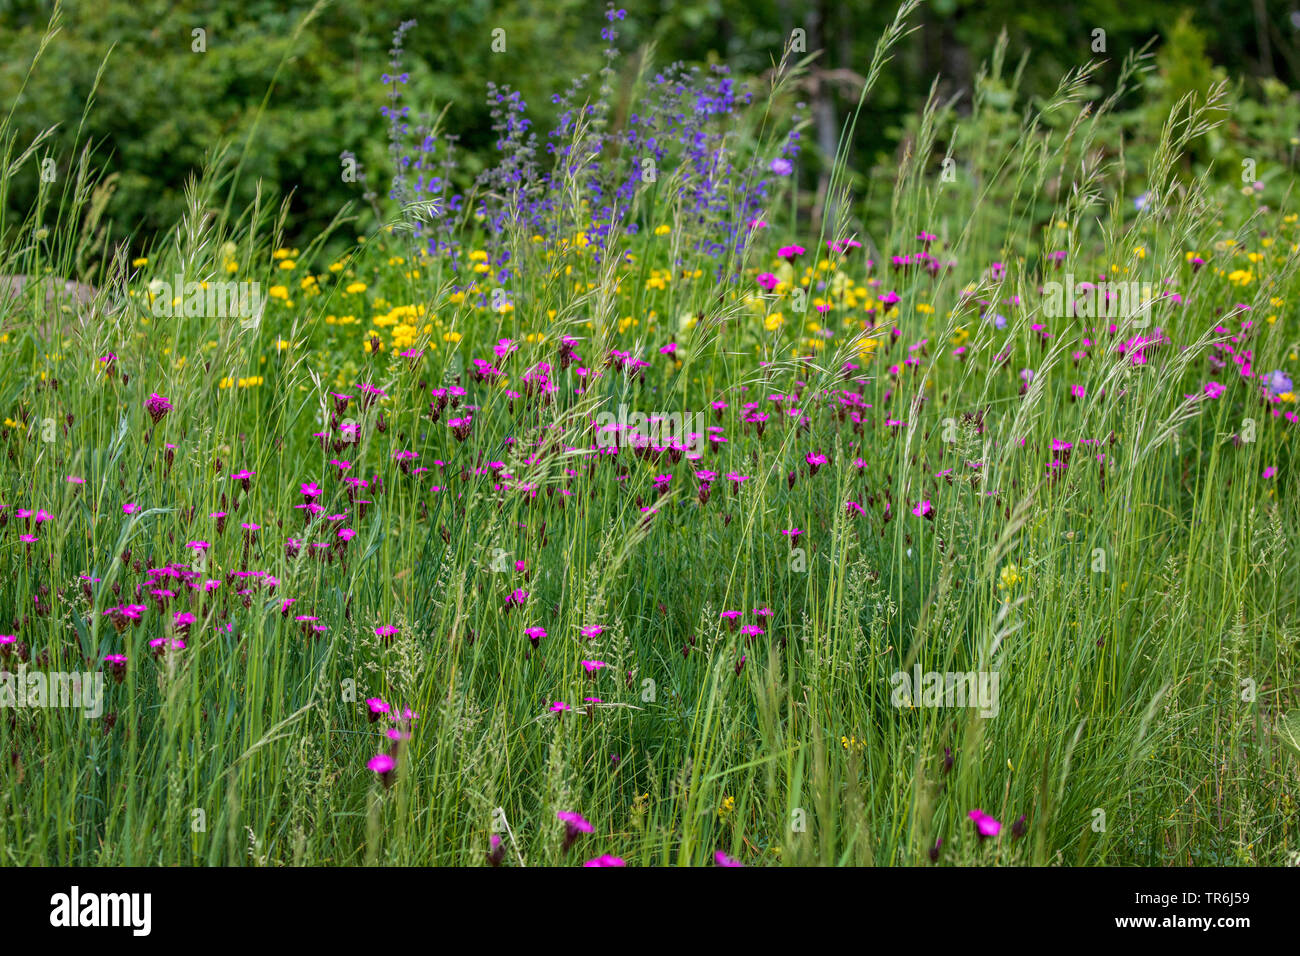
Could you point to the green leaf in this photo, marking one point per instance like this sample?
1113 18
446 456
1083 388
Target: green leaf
1288 730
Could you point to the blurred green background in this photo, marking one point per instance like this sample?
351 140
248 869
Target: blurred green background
160 106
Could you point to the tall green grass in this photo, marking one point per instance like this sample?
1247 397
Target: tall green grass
1152 597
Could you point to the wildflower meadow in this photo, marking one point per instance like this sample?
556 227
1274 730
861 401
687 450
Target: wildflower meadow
629 494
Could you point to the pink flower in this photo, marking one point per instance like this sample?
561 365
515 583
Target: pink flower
721 859
574 826
157 407
116 666
985 825
574 820
382 764
606 860
924 510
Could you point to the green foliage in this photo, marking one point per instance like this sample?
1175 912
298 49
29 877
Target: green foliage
162 106
1116 542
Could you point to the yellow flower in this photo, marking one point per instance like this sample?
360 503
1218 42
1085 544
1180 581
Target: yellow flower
355 288
1010 577
728 805
137 263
